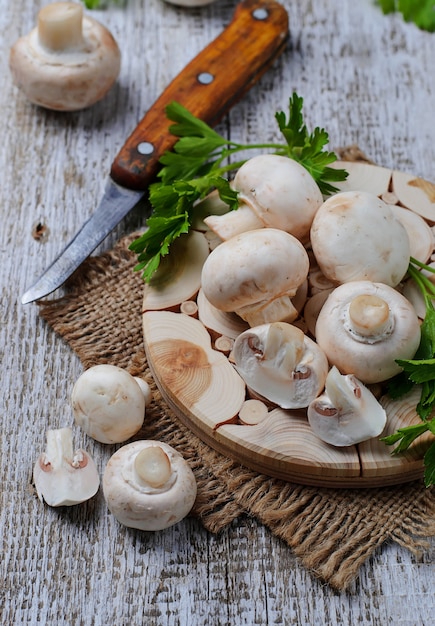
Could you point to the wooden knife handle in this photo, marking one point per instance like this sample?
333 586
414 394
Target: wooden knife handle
208 86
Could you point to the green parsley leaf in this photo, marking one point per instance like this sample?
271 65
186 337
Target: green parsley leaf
419 371
421 12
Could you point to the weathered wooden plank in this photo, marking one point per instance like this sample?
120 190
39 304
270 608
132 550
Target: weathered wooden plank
366 78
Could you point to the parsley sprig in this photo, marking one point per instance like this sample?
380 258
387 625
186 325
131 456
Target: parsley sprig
419 371
421 12
201 161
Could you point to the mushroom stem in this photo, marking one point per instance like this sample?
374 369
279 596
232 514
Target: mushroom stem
59 448
369 316
152 467
60 26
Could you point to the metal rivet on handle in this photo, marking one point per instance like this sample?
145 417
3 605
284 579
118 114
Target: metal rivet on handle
260 14
205 78
145 147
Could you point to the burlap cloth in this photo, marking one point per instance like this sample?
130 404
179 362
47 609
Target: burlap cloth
332 531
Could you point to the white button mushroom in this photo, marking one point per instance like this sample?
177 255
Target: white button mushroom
108 403
280 363
68 62
148 485
347 413
63 477
356 236
275 192
363 327
255 274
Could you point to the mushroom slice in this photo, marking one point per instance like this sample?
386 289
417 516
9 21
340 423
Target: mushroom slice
363 176
356 236
178 277
210 205
421 237
416 194
278 362
148 485
274 192
63 477
347 413
219 322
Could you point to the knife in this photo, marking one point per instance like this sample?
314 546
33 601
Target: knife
208 87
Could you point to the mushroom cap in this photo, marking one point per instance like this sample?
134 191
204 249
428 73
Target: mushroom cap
281 364
252 270
280 191
108 403
70 79
371 357
356 236
139 505
347 413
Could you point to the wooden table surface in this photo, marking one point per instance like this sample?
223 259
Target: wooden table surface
366 77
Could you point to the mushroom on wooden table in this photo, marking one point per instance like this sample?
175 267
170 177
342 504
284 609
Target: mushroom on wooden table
63 477
68 62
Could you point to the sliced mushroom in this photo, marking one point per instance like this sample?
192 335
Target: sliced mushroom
256 274
178 277
363 327
347 413
219 322
274 192
356 236
148 485
281 364
68 62
416 194
420 235
63 477
364 177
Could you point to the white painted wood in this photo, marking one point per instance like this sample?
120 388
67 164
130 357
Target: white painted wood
368 79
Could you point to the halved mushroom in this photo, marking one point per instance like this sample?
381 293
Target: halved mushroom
274 192
356 236
256 274
63 477
347 413
281 364
363 327
68 62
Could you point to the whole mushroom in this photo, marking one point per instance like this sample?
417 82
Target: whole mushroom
356 236
363 327
109 404
255 274
63 477
68 62
347 413
148 485
281 364
274 192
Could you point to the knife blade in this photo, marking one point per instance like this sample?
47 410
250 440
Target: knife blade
208 87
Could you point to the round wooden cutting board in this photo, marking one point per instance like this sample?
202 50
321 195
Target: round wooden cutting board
189 357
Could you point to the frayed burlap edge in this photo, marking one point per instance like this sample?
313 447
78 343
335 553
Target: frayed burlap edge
332 531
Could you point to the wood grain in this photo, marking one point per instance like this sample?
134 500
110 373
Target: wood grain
364 76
